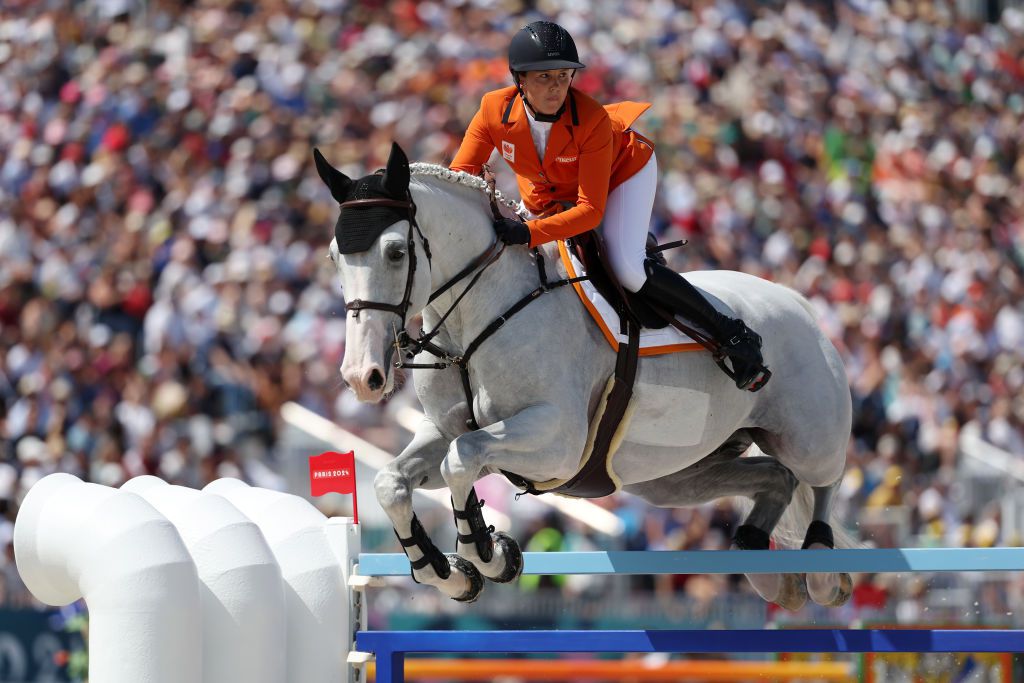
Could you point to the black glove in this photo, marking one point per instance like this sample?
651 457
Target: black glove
511 231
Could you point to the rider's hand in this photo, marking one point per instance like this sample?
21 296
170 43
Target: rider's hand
511 231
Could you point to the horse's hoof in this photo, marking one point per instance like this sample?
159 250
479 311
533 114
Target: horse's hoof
844 591
792 592
476 581
513 558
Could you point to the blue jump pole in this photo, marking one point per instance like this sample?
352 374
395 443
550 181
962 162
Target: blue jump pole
875 560
391 647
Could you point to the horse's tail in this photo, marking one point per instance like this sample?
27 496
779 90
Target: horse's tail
790 531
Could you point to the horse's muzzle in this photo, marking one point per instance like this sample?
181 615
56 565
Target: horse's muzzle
368 382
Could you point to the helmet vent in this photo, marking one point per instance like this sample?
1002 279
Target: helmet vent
550 35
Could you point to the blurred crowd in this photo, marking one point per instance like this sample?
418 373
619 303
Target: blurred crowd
163 286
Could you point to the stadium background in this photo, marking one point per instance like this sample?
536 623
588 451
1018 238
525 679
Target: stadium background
164 291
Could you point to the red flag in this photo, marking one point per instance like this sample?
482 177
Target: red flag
333 472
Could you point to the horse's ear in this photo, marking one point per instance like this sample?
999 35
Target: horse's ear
336 181
396 175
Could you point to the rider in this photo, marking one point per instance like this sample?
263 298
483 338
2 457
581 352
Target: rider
567 150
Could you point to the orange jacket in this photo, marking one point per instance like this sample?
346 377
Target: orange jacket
582 163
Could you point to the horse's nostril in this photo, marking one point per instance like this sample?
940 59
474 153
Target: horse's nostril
376 380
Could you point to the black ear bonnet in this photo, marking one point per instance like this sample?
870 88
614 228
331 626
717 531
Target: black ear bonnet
359 227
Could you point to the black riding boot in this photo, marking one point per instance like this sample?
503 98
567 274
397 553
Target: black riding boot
740 344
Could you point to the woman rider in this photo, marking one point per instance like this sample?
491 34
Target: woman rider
566 149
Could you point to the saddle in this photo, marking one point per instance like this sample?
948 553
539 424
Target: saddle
590 250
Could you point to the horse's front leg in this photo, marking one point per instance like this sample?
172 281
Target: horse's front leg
518 444
418 466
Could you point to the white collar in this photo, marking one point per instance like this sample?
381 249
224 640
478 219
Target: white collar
533 120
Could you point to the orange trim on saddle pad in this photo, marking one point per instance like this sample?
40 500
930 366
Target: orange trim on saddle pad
652 342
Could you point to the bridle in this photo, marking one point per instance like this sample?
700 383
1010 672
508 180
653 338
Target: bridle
402 339
401 308
410 347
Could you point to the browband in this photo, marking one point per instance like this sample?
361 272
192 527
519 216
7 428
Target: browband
379 201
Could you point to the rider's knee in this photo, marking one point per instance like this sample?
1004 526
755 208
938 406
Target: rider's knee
629 270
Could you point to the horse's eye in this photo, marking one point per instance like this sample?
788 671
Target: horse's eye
395 255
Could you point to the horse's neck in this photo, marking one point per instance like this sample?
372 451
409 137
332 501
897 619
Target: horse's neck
456 231
501 285
459 233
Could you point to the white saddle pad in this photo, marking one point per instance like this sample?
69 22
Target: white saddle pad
652 342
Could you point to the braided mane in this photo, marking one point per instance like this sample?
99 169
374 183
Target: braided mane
461 178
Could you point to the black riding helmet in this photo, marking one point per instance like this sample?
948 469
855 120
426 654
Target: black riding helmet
540 46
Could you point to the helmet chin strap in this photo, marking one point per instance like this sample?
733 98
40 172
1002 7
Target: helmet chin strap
543 118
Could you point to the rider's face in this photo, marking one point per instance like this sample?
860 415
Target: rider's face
546 90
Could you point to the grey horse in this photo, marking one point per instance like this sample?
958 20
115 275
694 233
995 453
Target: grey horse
405 233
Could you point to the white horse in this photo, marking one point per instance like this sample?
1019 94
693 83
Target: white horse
537 382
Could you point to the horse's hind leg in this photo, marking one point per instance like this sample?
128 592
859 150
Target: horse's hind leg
771 498
765 480
418 466
831 590
812 505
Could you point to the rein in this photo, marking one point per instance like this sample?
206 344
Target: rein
462 361
411 347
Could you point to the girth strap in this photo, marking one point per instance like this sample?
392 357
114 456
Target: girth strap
594 480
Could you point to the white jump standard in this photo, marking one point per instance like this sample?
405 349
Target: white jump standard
239 583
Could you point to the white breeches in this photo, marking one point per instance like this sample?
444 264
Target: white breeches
627 216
